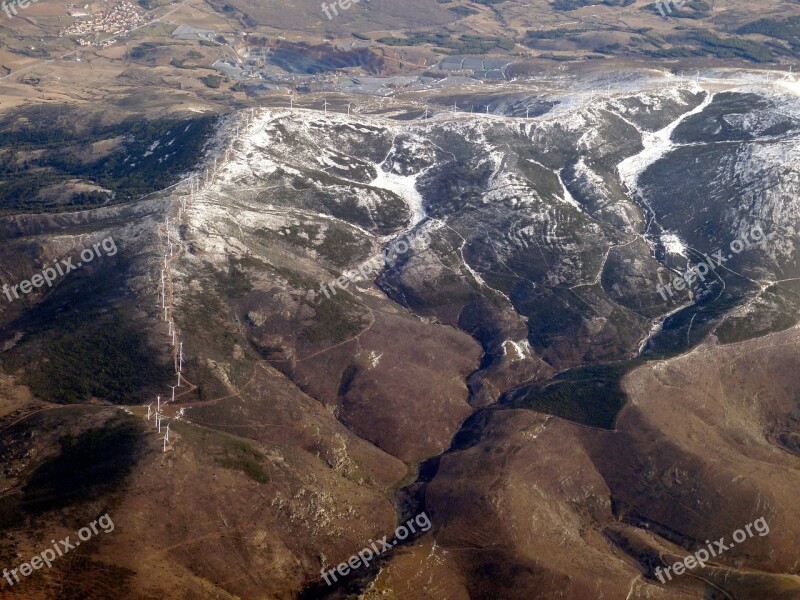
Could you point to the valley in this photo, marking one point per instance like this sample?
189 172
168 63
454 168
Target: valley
519 378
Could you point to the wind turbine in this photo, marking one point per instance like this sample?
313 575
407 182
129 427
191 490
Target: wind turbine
148 410
165 442
180 359
455 106
487 109
158 421
179 379
158 406
173 392
167 435
426 114
348 109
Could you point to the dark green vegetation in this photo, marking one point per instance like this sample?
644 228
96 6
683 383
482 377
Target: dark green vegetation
685 43
589 395
318 58
463 11
43 149
340 245
714 123
235 283
227 451
110 361
464 44
144 50
548 34
212 81
775 309
338 318
80 343
88 465
710 44
242 457
216 340
783 29
389 213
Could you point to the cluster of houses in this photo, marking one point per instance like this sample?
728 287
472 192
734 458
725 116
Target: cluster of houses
121 18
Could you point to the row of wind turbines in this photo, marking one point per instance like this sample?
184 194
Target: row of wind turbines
197 186
172 240
592 94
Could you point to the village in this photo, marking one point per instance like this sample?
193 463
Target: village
120 19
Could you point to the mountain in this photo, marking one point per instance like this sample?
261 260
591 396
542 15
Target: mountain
454 301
